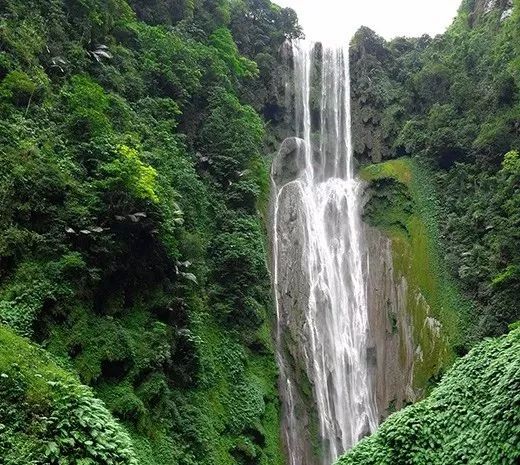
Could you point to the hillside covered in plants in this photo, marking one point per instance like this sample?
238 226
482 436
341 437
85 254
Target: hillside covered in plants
452 103
132 191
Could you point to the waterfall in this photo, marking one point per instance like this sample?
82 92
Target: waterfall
318 264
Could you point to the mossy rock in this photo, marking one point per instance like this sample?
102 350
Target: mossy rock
402 205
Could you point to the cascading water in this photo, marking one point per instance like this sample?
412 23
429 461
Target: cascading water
318 264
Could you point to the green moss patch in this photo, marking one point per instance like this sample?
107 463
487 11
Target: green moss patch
403 206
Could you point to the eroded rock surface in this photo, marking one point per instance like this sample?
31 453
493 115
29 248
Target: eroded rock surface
292 286
391 337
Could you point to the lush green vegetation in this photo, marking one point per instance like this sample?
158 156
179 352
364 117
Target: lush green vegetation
452 102
48 416
132 186
135 309
473 416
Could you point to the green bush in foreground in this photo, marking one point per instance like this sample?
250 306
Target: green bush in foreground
472 417
48 417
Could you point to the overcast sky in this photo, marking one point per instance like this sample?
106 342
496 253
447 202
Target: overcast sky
338 19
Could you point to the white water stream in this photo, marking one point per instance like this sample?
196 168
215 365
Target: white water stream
328 254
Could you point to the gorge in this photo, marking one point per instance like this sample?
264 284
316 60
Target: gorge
225 243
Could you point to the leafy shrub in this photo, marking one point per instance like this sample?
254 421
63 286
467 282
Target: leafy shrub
89 105
231 136
34 286
18 87
227 50
473 416
511 163
134 176
432 83
48 417
172 66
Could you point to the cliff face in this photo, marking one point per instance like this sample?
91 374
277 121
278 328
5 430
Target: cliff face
451 102
392 353
292 286
415 308
430 292
412 304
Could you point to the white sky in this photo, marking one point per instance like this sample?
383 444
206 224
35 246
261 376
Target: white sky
339 19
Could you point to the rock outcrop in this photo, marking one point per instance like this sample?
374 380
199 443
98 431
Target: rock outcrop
292 286
392 353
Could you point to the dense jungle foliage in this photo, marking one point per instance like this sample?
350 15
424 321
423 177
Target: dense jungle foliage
473 416
135 303
453 103
48 416
132 188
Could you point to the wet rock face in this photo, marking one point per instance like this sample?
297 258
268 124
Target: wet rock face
391 337
293 281
293 299
484 7
287 165
391 352
407 343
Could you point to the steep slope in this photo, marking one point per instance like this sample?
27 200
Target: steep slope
473 416
48 416
132 185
